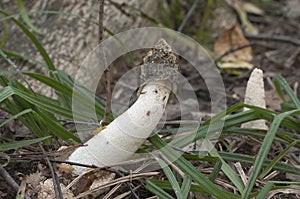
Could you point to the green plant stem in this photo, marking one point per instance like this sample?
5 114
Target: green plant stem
204 19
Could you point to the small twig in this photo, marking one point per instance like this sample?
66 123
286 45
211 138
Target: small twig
232 50
56 184
178 170
278 38
73 163
10 181
112 191
67 122
107 73
118 173
118 181
188 15
101 19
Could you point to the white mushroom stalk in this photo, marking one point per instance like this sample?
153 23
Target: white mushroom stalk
255 95
122 137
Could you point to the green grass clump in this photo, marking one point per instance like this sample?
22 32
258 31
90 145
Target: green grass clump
261 165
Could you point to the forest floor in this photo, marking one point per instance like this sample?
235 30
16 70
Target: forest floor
274 55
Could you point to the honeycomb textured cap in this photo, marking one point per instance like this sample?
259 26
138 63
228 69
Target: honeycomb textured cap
160 63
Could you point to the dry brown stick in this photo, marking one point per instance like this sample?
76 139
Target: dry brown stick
10 181
101 19
232 50
107 74
278 38
56 184
118 173
188 15
118 181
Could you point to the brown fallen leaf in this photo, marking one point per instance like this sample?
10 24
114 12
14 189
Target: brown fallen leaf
90 180
46 190
231 39
33 180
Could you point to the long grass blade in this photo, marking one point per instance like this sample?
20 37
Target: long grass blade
16 116
26 18
4 34
34 40
186 186
189 169
265 190
262 154
22 143
171 177
234 178
234 157
157 190
280 81
25 57
277 159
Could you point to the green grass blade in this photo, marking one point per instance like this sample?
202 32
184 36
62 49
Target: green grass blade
39 122
217 168
213 125
16 116
246 159
280 81
189 169
22 143
4 34
164 184
234 178
53 83
43 102
15 67
186 186
165 13
5 93
26 18
37 44
265 190
235 157
270 187
171 177
262 154
56 128
85 98
282 137
273 162
25 57
157 190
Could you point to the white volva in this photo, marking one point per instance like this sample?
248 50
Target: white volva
122 137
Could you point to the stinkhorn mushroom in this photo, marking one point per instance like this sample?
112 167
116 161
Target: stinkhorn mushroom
255 95
123 136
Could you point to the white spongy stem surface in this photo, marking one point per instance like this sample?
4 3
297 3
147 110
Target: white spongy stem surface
255 95
122 137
